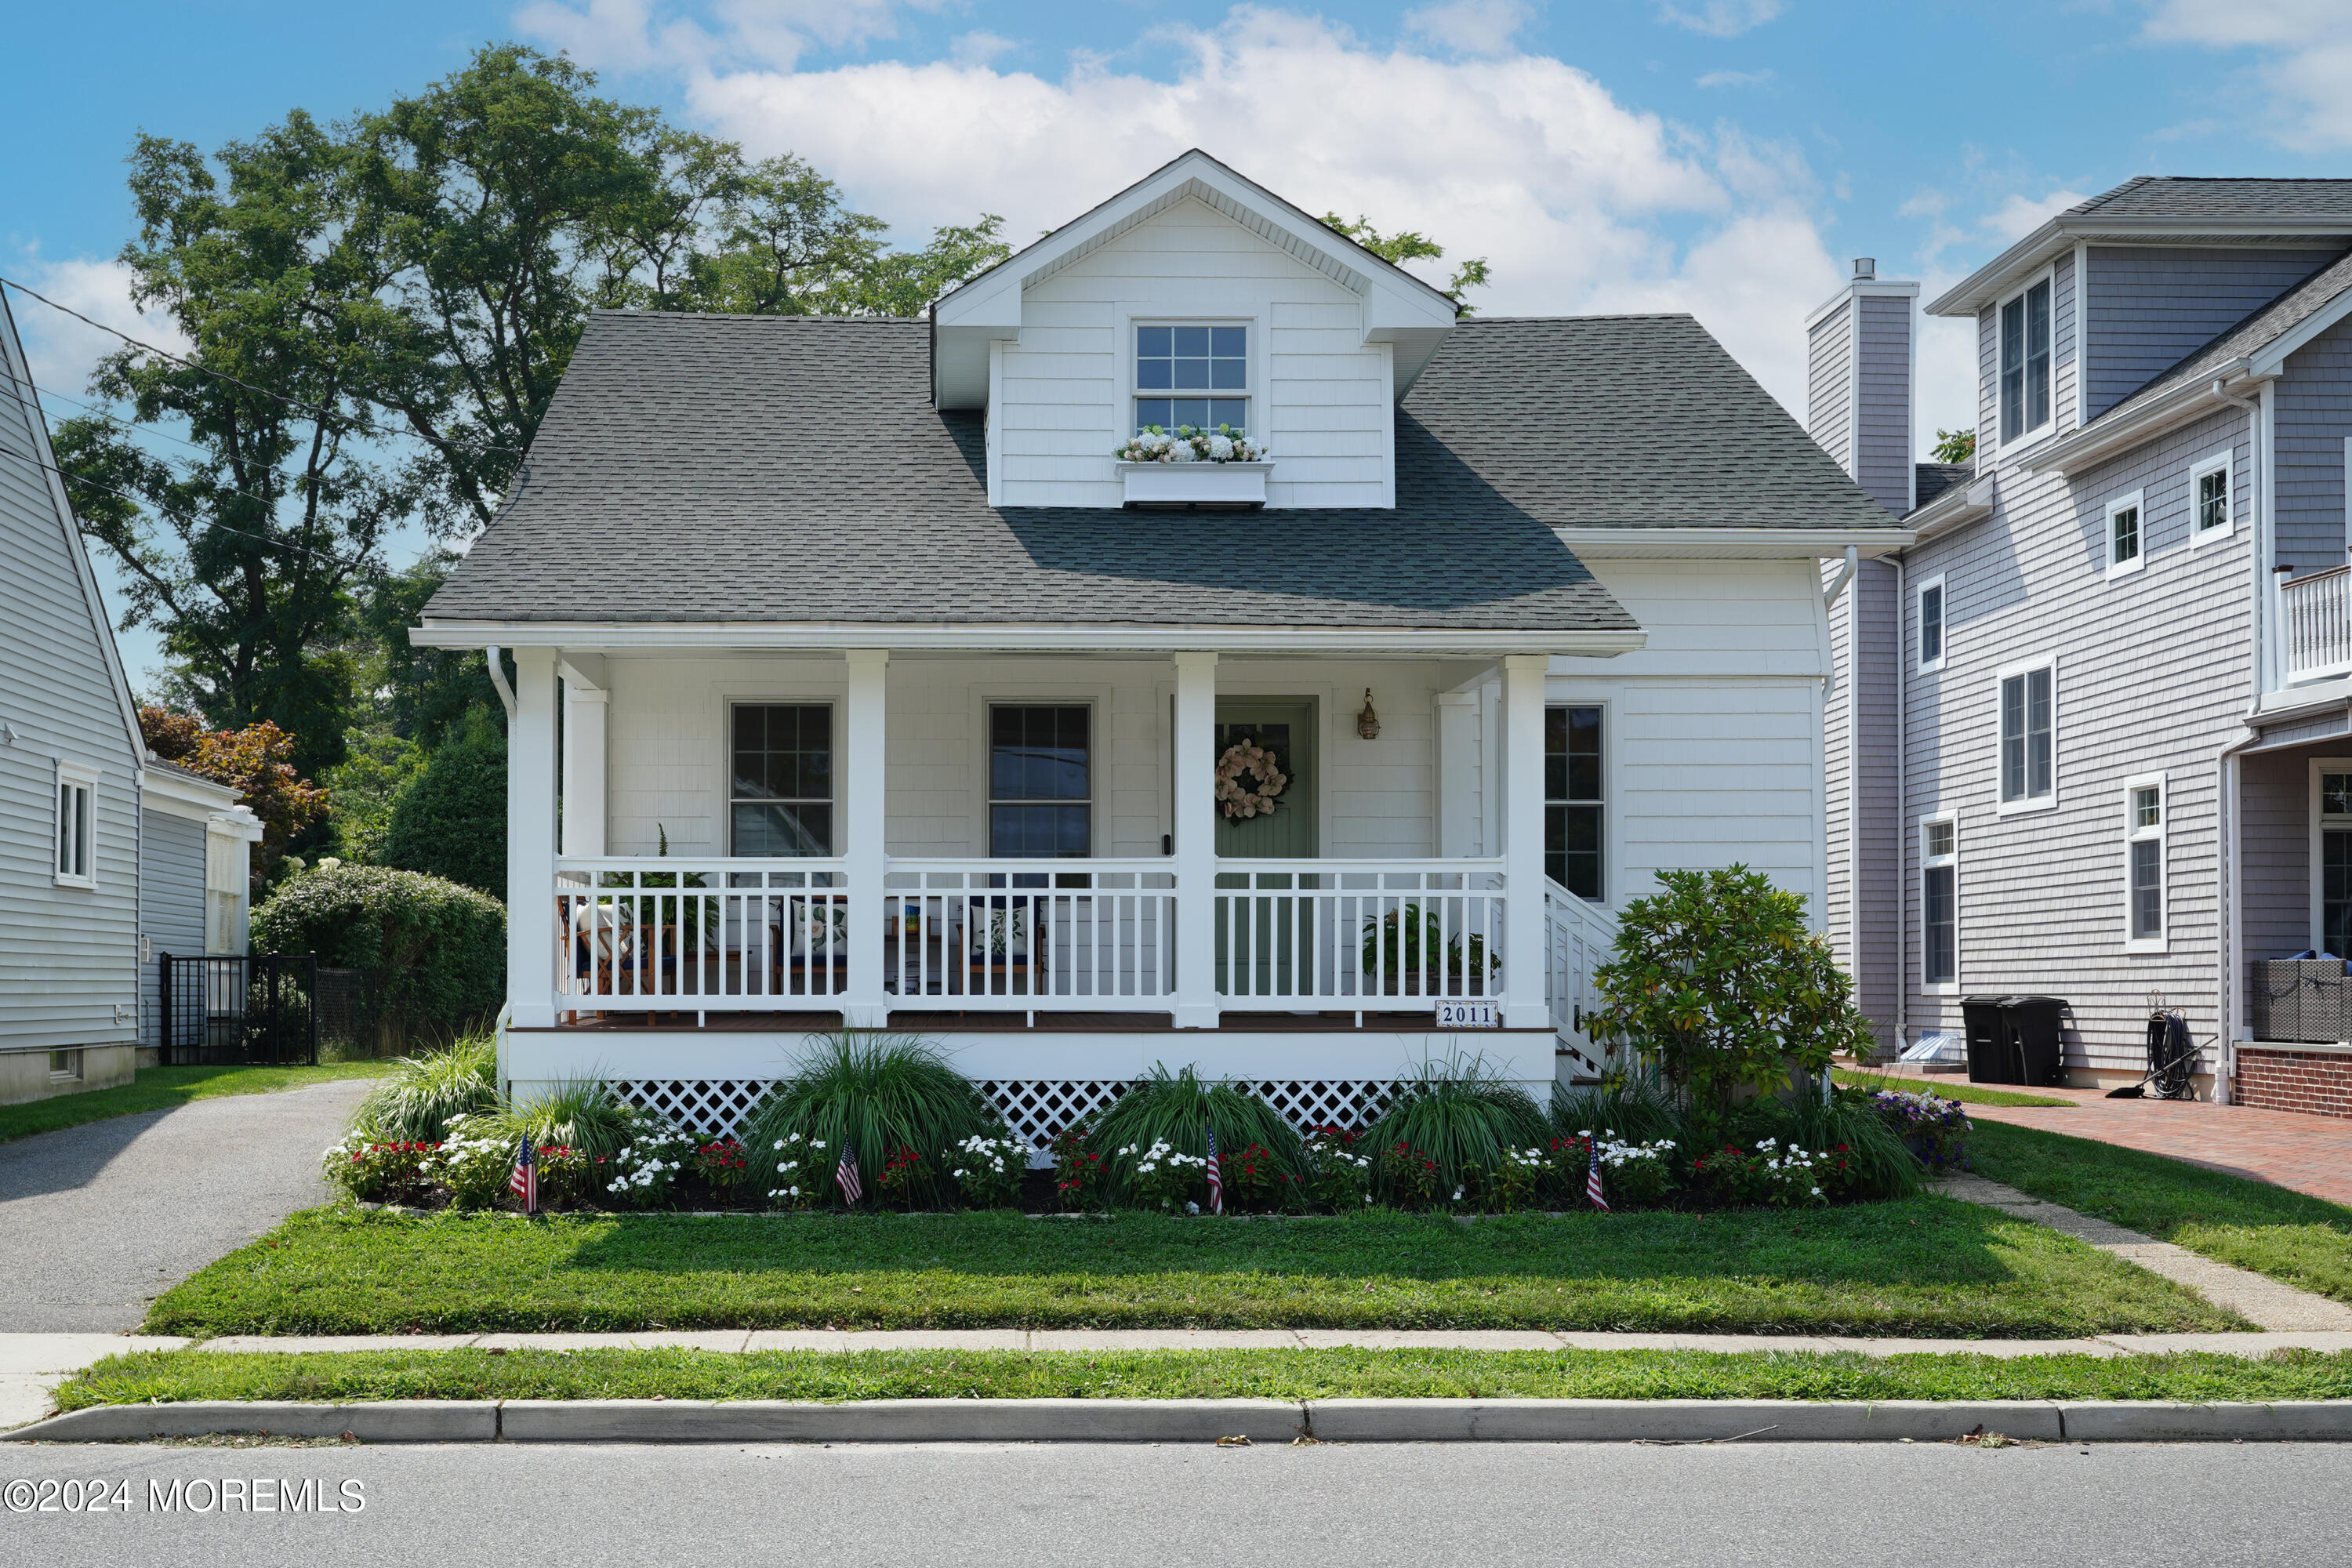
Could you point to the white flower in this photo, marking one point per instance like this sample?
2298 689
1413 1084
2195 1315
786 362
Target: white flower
1221 450
1181 452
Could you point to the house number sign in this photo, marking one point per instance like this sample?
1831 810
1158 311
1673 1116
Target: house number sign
1468 1015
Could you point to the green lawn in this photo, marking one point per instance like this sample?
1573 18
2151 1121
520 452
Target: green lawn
1968 1093
176 1375
1929 1265
161 1089
2304 1241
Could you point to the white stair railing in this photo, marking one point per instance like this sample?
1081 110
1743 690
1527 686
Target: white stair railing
1577 938
2317 608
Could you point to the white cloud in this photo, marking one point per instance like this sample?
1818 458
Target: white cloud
2022 214
1580 202
647 34
978 49
2304 77
1471 27
1735 79
62 352
1719 18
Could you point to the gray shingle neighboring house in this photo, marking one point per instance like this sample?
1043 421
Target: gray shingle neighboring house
2088 726
857 619
105 854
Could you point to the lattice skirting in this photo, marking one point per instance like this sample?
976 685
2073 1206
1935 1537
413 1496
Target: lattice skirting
1034 1109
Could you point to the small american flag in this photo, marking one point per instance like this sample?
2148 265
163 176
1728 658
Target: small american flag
1592 1180
524 1180
846 1175
1216 1177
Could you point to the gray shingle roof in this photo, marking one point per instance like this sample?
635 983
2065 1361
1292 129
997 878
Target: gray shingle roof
2172 195
791 469
2257 332
1932 479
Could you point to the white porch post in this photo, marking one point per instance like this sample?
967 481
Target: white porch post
530 842
860 797
587 705
1523 839
1457 796
1195 811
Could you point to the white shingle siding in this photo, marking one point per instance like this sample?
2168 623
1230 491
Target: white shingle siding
1883 453
2154 305
1829 384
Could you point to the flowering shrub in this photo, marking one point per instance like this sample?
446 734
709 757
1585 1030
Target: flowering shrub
795 1183
1256 1180
474 1163
988 1170
1935 1129
373 1170
1340 1176
724 1165
1522 1174
1162 1178
567 1175
902 1173
639 1174
1411 1173
1189 444
1079 1170
1633 1174
1768 1173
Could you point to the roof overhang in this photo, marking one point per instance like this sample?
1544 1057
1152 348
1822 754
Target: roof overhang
1957 507
1399 308
176 793
1987 283
1057 640
2119 430
1636 543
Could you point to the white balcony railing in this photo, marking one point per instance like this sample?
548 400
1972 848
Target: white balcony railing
2316 611
662 935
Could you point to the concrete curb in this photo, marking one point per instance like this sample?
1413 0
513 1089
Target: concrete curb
1207 1420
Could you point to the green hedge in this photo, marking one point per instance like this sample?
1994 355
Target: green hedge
442 948
452 822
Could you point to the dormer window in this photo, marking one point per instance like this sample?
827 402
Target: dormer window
2025 363
1192 375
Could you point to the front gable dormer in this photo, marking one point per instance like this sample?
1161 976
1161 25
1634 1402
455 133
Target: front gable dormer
1193 297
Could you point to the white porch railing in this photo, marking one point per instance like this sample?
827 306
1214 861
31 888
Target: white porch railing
1577 940
710 935
1359 932
1029 935
2316 609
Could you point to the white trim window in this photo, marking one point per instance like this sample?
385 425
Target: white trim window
2027 699
2331 854
2022 334
1939 903
2210 499
75 836
2145 808
1194 373
1931 625
1040 780
780 794
2126 534
1575 800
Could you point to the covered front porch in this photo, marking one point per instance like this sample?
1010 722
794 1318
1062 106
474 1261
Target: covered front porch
1397 903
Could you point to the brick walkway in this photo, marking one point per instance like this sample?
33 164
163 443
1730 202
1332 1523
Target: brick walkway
2309 1154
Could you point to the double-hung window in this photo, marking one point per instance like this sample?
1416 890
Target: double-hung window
2209 498
1931 626
2332 784
781 798
2126 546
2144 809
1040 781
2028 737
1574 800
75 838
1939 902
1192 375
2024 331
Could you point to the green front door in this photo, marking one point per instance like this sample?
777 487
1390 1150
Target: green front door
1275 935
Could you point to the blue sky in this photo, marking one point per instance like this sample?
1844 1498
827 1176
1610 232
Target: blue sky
1721 156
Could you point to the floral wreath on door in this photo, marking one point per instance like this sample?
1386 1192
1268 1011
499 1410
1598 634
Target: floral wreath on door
1249 781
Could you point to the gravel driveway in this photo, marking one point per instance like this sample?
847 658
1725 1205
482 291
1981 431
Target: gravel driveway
97 1220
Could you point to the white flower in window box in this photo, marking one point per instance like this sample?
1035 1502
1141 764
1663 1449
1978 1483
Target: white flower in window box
1188 467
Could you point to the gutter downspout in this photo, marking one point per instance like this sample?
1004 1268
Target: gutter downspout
2227 878
1838 583
499 680
1901 808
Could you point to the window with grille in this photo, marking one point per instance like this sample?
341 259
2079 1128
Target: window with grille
780 793
75 835
1040 781
1574 800
2028 732
2025 363
2144 861
1931 625
2125 546
1192 375
1940 904
2210 496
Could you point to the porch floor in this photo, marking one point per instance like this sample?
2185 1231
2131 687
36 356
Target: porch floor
1047 1023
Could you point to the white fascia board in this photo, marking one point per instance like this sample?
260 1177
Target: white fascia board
1062 639
1728 543
177 794
1958 505
2110 436
238 824
2271 359
1885 288
2037 250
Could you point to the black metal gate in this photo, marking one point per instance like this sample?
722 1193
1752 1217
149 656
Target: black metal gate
240 1011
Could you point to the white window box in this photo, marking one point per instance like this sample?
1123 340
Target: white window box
1194 484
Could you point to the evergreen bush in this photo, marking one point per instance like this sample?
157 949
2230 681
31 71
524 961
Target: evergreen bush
441 948
452 821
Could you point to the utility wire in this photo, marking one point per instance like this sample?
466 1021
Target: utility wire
144 428
314 412
141 500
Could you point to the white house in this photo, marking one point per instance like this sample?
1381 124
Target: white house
929 699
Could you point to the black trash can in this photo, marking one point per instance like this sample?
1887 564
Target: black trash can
1991 1058
2038 1039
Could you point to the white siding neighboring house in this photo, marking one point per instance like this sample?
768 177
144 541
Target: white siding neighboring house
79 874
925 694
2096 693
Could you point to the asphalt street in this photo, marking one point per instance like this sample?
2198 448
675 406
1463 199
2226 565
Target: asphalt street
98 1219
1045 1507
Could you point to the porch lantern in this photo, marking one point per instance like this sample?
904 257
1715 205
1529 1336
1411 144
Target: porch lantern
1368 723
